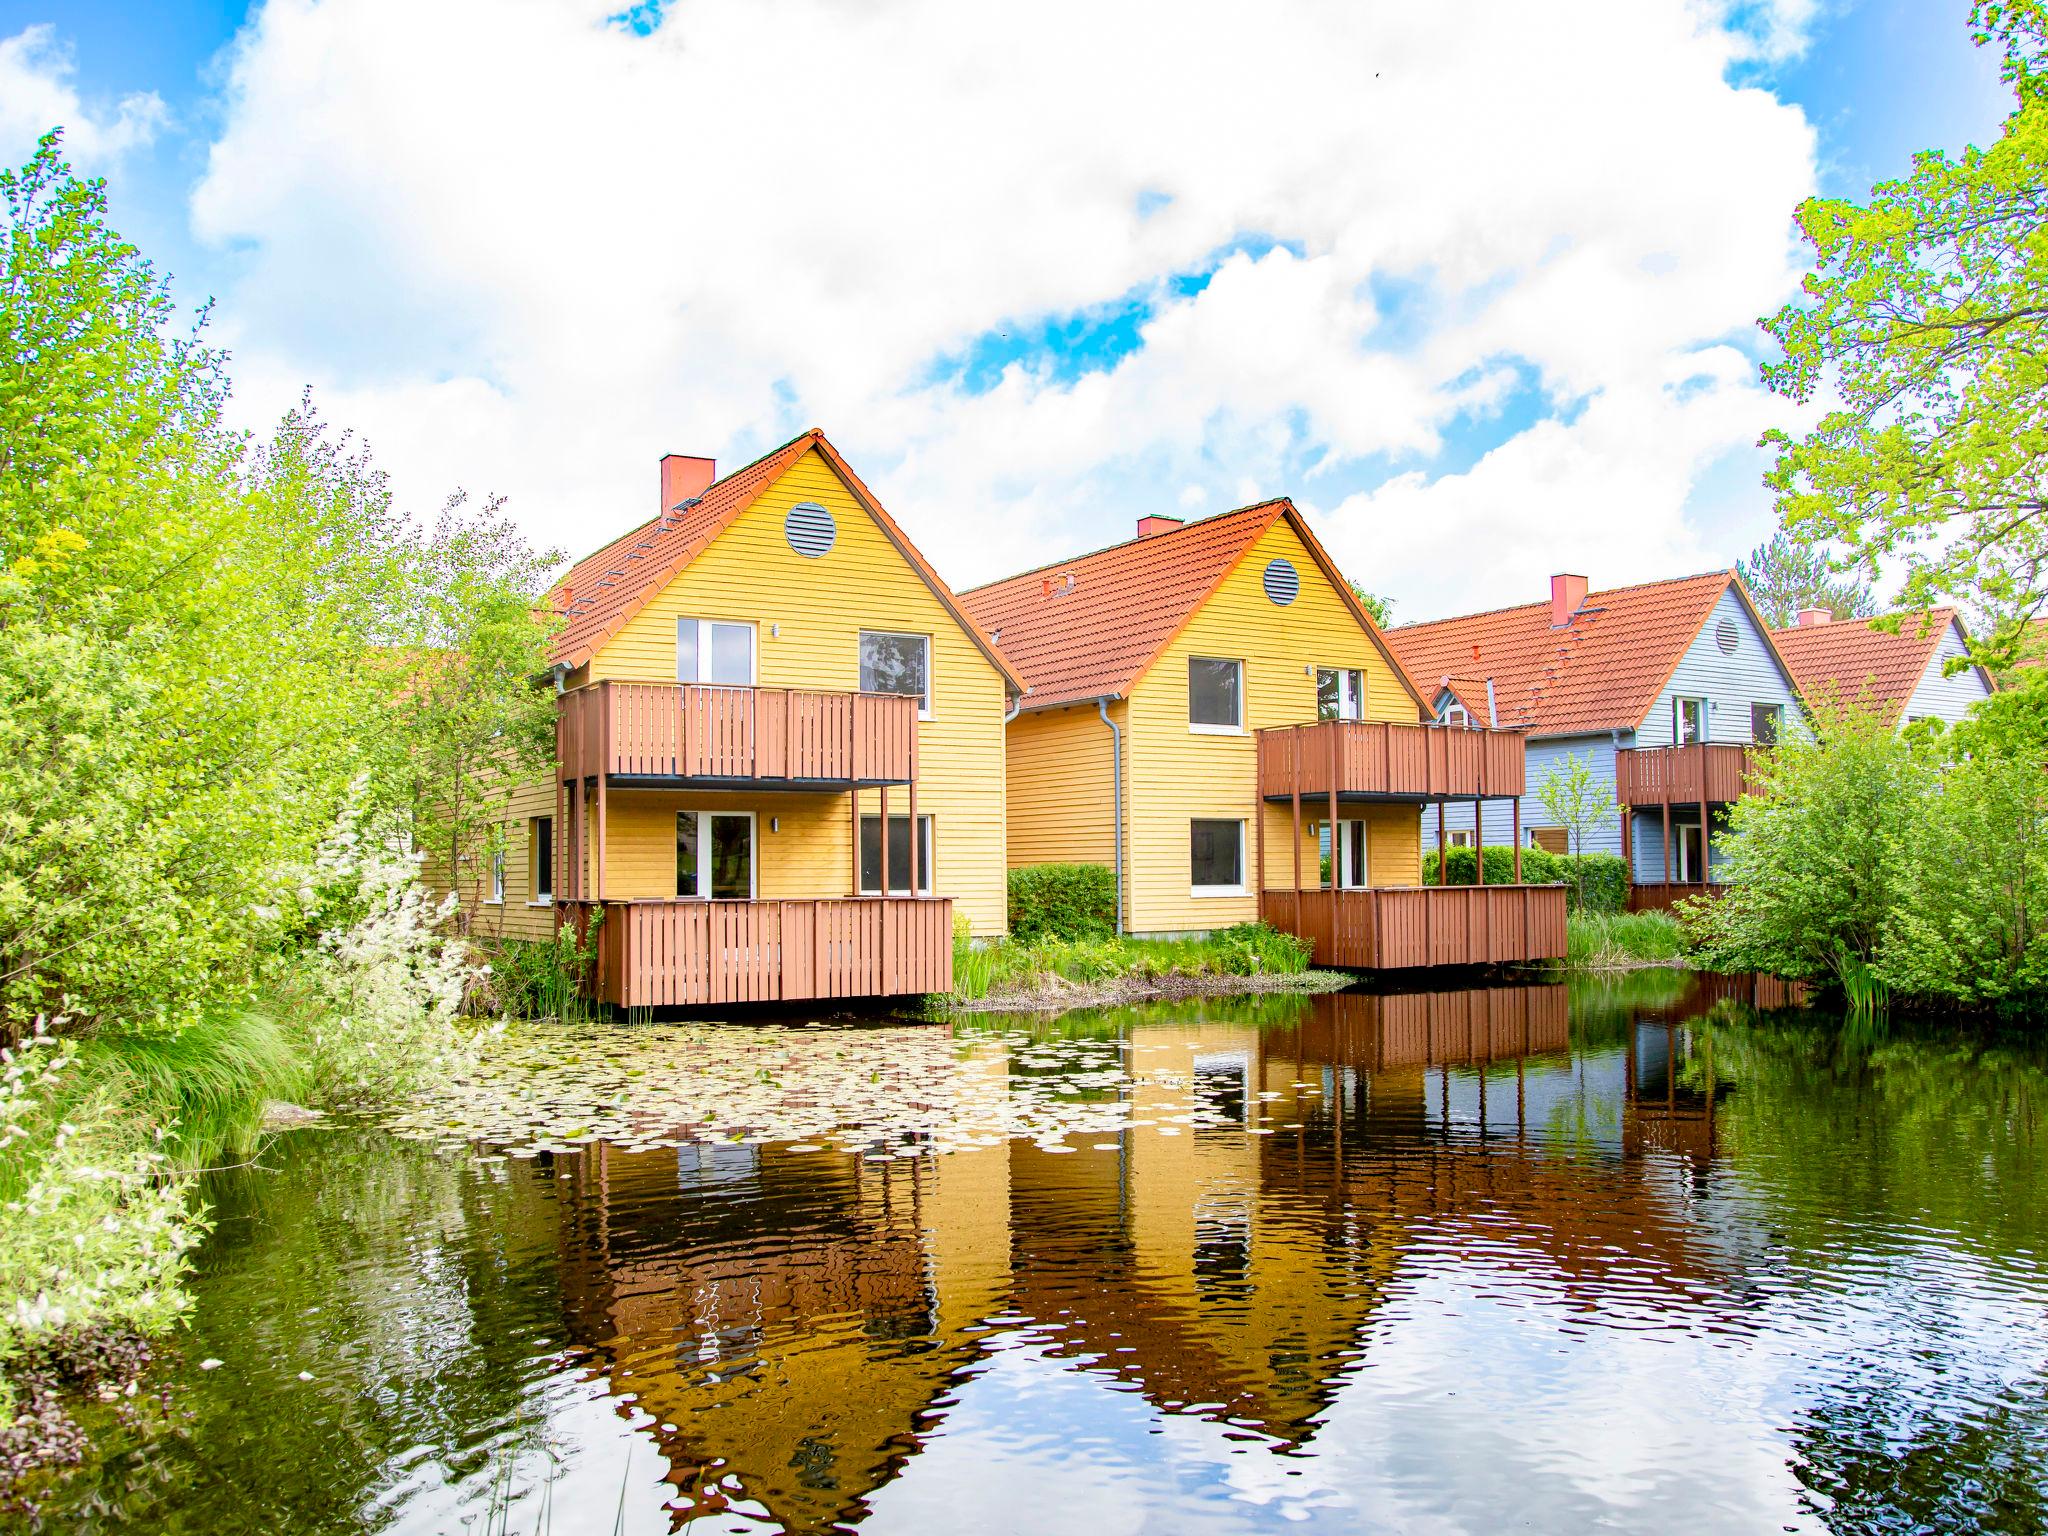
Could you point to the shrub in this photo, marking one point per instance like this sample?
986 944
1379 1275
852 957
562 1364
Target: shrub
1067 901
541 978
1603 876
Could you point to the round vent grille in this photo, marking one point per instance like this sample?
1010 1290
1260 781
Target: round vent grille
1283 584
1727 636
809 529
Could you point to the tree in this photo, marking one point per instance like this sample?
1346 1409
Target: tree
1579 802
1785 576
1381 608
1927 317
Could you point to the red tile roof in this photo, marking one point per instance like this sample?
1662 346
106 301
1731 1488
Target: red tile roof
1600 672
1856 664
604 590
1090 627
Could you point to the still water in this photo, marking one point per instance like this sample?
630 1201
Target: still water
1518 1258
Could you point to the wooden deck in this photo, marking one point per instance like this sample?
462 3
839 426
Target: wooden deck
1397 928
1658 896
1390 761
690 731
663 954
1713 772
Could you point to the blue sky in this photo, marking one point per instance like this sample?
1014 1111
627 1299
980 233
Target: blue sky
1354 307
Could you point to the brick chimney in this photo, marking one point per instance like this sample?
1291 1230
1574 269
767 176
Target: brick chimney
1147 526
1808 617
1567 594
683 477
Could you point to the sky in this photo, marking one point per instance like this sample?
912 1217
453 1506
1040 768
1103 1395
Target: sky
1476 285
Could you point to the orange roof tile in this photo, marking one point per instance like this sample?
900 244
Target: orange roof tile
1090 627
603 590
1848 659
1600 672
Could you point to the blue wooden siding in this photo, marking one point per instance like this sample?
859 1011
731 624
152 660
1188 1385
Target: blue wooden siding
1546 753
1945 698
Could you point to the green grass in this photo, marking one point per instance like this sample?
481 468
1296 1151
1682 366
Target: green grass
1249 949
1610 941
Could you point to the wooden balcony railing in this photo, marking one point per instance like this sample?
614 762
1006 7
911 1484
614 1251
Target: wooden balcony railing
701 731
1395 761
1396 928
658 954
1662 896
1706 770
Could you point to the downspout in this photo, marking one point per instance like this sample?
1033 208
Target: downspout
1116 790
1016 706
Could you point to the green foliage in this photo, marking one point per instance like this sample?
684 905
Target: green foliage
544 978
1064 901
1580 803
1926 317
1596 882
1617 940
1381 608
1784 576
1245 949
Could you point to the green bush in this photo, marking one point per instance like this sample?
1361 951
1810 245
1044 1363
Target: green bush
541 978
1604 875
1065 901
1606 940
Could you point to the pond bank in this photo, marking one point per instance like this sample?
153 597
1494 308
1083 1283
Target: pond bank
1050 992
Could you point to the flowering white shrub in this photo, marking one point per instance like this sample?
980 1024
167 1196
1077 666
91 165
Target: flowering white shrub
387 983
97 1230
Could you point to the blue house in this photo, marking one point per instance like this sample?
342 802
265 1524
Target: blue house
1921 672
1660 690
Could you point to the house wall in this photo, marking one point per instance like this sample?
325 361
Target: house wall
517 917
808 616
1945 698
1546 755
1178 774
1061 779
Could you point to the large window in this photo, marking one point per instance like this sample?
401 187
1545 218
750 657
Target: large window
540 852
708 651
899 855
892 663
1765 720
715 855
1215 694
1216 858
1340 693
1688 721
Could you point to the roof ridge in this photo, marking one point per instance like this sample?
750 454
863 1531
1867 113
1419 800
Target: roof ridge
1491 613
1143 538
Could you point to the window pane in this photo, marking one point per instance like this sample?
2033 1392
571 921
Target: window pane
732 858
893 664
1214 847
1213 692
686 651
1354 853
732 654
686 853
1763 724
543 857
899 854
1328 700
1685 721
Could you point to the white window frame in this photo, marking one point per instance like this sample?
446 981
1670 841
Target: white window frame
703 891
538 867
1678 703
1359 880
1456 837
704 628
497 896
1218 730
924 863
924 704
1454 713
1353 675
1777 713
1205 891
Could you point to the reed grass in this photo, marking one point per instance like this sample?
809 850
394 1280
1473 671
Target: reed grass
1617 940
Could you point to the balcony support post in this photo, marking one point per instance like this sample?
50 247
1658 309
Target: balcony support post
1667 840
1335 855
1516 818
1259 827
883 885
1443 868
853 835
1628 851
1294 790
1479 841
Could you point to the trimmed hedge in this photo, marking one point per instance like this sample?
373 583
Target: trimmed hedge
1063 901
1605 874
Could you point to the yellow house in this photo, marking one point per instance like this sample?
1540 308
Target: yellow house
1202 703
754 685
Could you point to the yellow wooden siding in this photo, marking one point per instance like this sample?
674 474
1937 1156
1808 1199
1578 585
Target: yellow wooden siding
1178 775
1060 787
516 917
749 574
1393 843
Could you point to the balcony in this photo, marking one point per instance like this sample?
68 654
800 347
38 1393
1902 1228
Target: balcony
1400 928
1709 772
700 734
1374 759
661 954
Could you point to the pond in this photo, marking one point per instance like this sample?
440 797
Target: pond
1635 1258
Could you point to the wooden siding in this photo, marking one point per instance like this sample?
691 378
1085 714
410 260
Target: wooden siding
695 731
1706 770
517 917
1729 684
1060 787
749 574
1433 925
1397 760
1177 774
1944 698
669 954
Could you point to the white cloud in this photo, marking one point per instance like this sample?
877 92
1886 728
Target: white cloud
37 94
526 250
